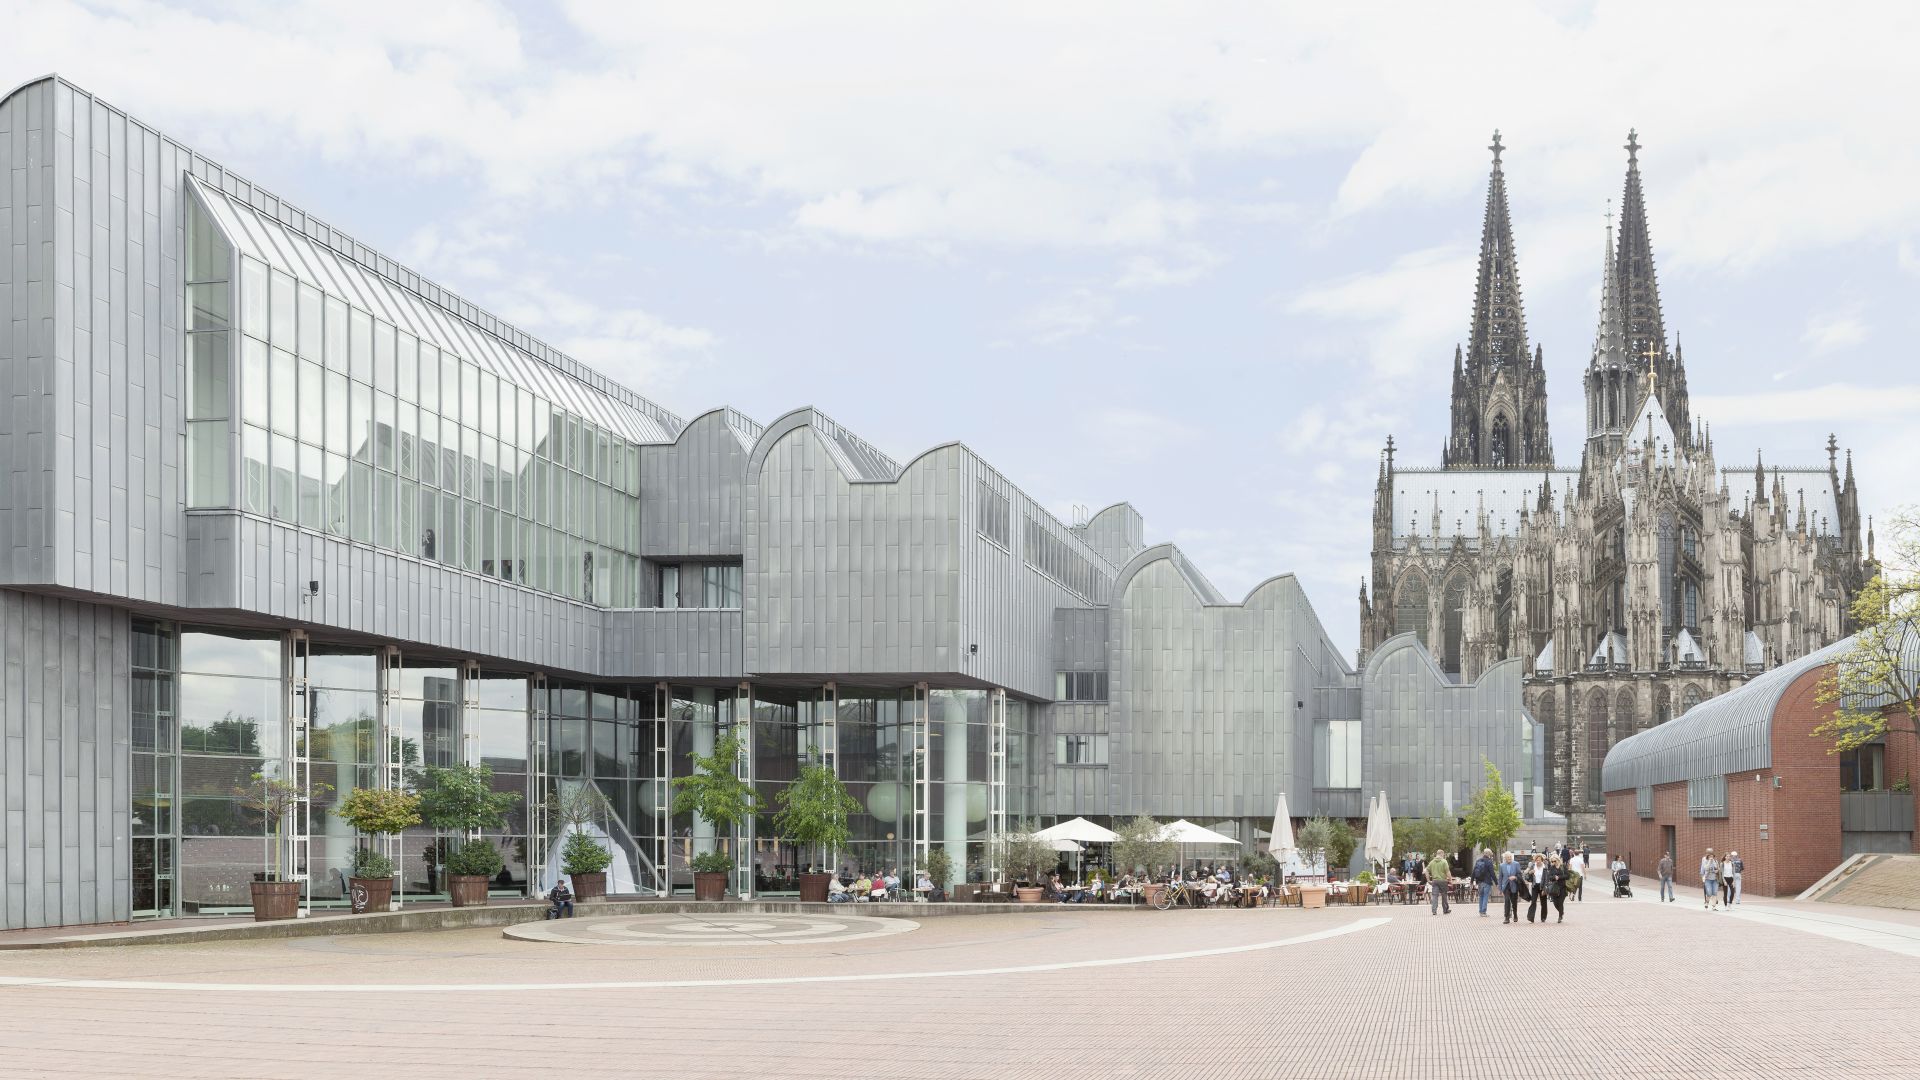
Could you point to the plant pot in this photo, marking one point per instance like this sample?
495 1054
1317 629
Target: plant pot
1027 895
468 890
370 894
1313 896
712 886
1151 893
1358 893
813 888
589 886
276 900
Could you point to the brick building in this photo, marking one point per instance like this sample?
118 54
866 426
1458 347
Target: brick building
1743 772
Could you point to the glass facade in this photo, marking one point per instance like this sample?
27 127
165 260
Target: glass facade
155 745
356 428
232 709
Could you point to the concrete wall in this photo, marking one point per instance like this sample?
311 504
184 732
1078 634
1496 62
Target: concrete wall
65 800
1424 731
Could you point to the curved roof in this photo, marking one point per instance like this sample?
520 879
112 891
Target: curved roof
1727 734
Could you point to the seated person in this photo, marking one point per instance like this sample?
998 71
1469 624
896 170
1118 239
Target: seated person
837 891
923 883
561 898
1210 891
862 887
893 883
1094 890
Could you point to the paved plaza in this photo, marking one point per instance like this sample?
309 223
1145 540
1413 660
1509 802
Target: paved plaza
1624 987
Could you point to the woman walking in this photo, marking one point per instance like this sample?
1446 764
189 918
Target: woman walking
1710 879
1536 882
1556 889
1729 877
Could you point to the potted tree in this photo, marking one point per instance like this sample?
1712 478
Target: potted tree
375 812
584 857
1341 840
276 895
939 871
1025 857
715 794
814 811
461 799
1314 837
1142 848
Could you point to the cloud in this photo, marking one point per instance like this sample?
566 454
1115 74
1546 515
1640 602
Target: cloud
1077 313
1155 272
1402 313
1831 402
1832 330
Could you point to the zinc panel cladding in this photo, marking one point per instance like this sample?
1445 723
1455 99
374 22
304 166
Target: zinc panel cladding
692 490
29 430
684 643
1730 733
1080 639
1421 730
65 769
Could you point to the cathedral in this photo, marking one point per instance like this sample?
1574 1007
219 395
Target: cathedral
1632 585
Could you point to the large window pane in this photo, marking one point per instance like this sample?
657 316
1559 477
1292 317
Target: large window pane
207 377
336 335
360 502
336 479
282 311
313 411
208 306
313 487
282 494
383 509
429 377
360 359
253 298
359 422
338 427
286 394
406 363
255 389
209 479
253 453
382 355
310 325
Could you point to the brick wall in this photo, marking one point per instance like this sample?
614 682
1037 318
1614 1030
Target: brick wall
1802 814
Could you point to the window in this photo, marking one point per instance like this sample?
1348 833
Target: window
1689 698
1864 768
1057 559
722 586
1453 612
1336 754
1410 608
1080 750
994 514
1080 685
1707 797
670 586
1643 800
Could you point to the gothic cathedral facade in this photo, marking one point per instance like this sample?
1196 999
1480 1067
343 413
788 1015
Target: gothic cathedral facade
1633 586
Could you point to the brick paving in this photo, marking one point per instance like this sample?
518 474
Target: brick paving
1622 988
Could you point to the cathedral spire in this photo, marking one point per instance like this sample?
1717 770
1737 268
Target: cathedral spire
1643 326
1499 334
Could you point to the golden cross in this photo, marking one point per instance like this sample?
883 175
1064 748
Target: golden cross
1652 354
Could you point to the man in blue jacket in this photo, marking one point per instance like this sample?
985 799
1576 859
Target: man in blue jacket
1510 887
1483 877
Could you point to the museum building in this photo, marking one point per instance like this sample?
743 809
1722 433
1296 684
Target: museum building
276 504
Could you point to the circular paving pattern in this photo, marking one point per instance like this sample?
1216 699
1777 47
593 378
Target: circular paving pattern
710 930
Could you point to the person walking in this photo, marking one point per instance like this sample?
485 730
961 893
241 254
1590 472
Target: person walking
1556 890
1666 877
1739 872
1509 888
1536 883
1439 876
1710 879
1577 873
1483 876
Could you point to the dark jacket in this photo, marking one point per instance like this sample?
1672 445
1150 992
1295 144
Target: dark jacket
1556 881
1483 869
1510 878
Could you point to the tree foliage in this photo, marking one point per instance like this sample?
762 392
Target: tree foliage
815 809
583 854
1425 836
1341 840
939 868
1024 855
714 792
1315 837
1143 845
1874 685
1492 816
460 798
379 811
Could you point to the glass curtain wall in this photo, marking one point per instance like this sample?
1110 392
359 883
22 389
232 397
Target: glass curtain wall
957 762
231 709
496 730
209 362
343 691
155 743
875 760
788 732
428 728
357 428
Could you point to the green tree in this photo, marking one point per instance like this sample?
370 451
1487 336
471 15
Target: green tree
1025 856
1341 840
275 799
1874 685
1314 838
714 792
461 799
1424 835
1143 845
815 810
1492 816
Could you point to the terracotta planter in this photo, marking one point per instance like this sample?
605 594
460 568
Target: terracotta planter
711 886
1357 894
468 890
370 894
813 888
1313 896
1028 895
589 886
276 900
1151 893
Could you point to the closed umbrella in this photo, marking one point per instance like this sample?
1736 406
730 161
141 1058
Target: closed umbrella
1281 845
1380 834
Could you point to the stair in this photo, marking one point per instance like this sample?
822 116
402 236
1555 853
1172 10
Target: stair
1888 881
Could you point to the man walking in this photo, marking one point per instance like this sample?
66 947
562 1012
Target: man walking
1439 876
1483 877
1736 867
1666 877
1510 888
1577 870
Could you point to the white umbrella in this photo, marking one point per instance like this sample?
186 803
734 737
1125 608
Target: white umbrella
1066 845
1079 829
1186 832
1380 833
1281 843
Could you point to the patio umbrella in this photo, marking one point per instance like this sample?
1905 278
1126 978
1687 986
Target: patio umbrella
1184 832
1380 834
1281 845
1078 829
1066 845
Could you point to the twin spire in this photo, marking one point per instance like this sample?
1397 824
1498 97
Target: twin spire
1499 335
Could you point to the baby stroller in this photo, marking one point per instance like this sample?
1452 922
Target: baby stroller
1622 882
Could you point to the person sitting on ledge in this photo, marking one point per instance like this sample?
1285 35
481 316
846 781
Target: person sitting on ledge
561 898
837 891
862 888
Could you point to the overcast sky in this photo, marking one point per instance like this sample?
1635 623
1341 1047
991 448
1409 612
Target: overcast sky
1204 260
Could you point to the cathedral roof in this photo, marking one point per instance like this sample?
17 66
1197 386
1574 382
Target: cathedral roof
1457 495
1823 509
1652 420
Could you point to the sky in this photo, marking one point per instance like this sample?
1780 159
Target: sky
1201 258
